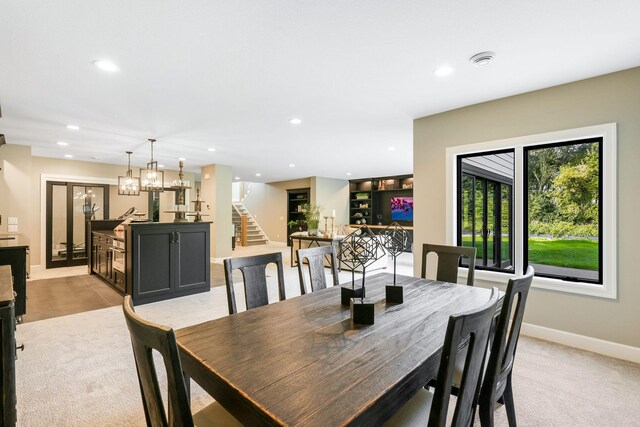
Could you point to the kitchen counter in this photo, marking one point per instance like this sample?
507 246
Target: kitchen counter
10 241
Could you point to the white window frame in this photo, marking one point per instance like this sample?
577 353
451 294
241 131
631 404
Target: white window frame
608 133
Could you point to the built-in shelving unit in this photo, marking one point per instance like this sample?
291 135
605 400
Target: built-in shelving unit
370 199
296 199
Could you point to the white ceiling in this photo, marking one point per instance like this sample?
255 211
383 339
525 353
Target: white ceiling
230 74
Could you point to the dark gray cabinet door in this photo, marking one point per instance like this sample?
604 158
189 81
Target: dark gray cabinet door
192 256
153 264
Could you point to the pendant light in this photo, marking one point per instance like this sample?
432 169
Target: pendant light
151 179
129 185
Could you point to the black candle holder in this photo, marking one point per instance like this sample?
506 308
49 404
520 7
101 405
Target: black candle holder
359 249
395 239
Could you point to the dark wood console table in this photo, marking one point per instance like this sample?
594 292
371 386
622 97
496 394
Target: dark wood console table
14 249
8 349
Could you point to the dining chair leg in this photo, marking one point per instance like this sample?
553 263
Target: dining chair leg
486 414
508 403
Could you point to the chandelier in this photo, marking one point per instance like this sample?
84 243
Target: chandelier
150 178
129 185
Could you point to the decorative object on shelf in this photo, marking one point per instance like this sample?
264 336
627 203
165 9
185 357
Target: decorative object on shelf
407 186
364 206
364 221
312 218
357 221
379 216
357 215
359 249
381 185
296 223
361 196
151 179
180 186
197 207
395 239
129 185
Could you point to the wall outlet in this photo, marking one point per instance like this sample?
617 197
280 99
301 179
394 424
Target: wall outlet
12 220
12 228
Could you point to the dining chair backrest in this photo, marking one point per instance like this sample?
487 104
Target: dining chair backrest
145 337
475 326
448 261
254 274
505 342
315 258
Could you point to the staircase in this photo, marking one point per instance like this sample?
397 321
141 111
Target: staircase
255 235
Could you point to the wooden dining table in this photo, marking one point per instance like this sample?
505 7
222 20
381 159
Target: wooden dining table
302 362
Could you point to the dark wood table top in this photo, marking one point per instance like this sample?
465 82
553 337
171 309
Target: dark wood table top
299 361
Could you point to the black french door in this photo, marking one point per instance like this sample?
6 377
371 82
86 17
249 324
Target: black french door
69 206
486 221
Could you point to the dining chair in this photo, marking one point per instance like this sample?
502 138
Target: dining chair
147 336
433 405
315 261
497 378
254 275
448 260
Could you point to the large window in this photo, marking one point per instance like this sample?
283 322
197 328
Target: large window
542 200
562 210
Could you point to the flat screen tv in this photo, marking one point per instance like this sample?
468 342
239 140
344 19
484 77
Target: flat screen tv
402 209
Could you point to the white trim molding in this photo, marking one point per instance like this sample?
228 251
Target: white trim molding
608 132
595 345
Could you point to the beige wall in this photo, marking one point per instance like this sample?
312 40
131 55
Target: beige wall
268 205
216 192
15 186
268 202
610 98
332 194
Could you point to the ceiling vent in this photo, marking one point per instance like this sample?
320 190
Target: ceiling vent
481 59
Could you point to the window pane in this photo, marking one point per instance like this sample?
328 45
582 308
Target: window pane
563 209
467 211
506 247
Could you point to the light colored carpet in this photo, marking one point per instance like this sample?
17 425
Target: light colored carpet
78 370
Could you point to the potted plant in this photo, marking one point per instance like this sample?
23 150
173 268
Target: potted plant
311 217
296 223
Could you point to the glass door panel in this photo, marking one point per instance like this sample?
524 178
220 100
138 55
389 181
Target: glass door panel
58 244
69 206
486 221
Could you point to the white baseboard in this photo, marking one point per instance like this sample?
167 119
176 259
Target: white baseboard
595 345
37 268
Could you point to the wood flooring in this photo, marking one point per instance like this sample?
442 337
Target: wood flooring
62 296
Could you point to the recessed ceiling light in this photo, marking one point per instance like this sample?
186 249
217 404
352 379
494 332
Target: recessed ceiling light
258 174
160 166
391 148
64 144
348 173
443 71
73 127
105 65
69 156
481 59
295 121
292 165
237 177
211 149
182 159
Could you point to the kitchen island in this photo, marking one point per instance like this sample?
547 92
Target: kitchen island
152 261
